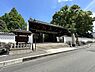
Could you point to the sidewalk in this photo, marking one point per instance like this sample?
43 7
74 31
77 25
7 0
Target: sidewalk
13 59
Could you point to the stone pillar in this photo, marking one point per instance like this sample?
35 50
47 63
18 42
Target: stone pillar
43 37
64 39
58 40
31 41
27 27
73 40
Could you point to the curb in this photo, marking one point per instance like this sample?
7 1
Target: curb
23 59
10 62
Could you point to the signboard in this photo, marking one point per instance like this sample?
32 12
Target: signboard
21 38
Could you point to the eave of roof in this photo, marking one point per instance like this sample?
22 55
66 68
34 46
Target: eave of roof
22 32
44 23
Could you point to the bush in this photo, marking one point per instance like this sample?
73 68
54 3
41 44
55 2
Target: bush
69 43
4 48
89 41
83 43
7 46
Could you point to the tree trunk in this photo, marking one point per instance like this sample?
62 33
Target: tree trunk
77 40
73 40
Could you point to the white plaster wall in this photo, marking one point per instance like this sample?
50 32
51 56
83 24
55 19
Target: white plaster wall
7 38
11 38
93 34
30 39
80 39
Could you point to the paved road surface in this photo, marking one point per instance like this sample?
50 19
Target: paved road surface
82 60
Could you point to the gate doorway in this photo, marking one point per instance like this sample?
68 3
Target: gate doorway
45 32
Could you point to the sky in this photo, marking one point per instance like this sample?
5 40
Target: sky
42 10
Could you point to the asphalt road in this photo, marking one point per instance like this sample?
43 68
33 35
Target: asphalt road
82 60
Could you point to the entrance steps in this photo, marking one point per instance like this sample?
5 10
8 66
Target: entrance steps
51 45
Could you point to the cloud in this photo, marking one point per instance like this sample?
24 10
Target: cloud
59 1
90 5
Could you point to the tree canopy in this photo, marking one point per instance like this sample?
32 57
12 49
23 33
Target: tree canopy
74 19
14 20
3 27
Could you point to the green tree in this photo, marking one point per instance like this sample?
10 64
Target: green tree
84 23
3 27
14 20
66 17
74 19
